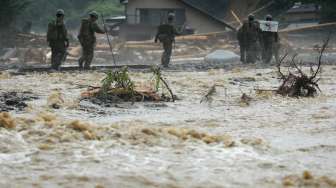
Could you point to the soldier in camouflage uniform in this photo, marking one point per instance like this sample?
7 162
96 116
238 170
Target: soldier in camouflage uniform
166 35
87 39
57 38
270 44
249 36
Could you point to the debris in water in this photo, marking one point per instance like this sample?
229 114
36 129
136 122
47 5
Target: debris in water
45 147
185 134
307 175
79 126
85 128
300 84
118 87
245 100
308 180
208 96
15 101
55 100
7 121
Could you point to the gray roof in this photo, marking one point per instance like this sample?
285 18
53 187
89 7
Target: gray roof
215 9
304 8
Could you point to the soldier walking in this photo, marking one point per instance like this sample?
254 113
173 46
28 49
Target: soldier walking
270 44
249 36
57 38
88 39
166 35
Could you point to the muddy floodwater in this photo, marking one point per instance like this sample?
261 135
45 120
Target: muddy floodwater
268 141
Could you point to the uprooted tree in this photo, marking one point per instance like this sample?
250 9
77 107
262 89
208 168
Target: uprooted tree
117 86
298 83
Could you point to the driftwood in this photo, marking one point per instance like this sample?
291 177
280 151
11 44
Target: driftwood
209 94
299 84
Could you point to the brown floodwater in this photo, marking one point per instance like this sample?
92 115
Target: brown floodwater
222 142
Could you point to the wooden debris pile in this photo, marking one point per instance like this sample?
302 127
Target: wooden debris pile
118 87
298 83
32 40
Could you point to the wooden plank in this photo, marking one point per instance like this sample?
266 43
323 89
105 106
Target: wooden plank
308 28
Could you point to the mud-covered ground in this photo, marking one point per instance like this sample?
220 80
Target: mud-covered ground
61 141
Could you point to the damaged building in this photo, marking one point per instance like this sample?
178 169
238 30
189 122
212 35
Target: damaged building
192 16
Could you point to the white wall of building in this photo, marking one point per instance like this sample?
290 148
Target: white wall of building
201 22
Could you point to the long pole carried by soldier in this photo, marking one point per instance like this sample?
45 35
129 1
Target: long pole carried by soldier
108 40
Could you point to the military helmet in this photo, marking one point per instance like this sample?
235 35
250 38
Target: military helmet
171 16
251 17
269 17
60 12
94 14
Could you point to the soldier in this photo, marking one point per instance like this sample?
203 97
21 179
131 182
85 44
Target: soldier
270 44
166 35
248 36
87 39
57 38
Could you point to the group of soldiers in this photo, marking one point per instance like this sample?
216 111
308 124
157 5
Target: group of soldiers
256 44
57 38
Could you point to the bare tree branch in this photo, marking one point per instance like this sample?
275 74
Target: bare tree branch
324 47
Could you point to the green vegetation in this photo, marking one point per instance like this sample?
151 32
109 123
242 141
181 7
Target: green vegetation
40 12
9 10
119 79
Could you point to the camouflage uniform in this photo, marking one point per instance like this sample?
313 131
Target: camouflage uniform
249 37
166 35
87 39
57 38
270 44
242 44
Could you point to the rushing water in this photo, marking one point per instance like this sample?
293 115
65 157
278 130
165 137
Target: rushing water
158 144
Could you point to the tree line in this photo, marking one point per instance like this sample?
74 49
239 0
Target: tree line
40 12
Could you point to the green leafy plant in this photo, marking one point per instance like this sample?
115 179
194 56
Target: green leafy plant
159 79
156 77
117 79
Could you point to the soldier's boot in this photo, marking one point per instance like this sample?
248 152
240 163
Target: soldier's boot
168 48
56 61
243 56
80 62
88 61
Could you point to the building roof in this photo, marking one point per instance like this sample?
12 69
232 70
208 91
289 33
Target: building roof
216 9
304 8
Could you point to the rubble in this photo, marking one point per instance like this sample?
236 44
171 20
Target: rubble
15 100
